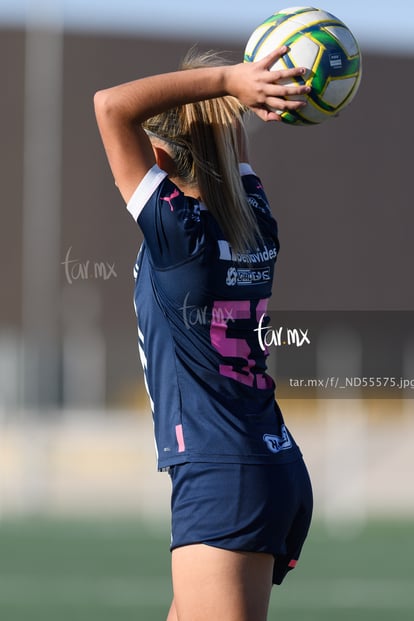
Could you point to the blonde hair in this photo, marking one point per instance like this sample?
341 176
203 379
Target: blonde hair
202 139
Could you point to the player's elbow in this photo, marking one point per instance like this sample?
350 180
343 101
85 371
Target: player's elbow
110 110
102 104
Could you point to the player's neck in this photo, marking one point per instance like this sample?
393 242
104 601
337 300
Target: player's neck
187 189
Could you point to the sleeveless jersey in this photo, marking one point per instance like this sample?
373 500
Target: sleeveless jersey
199 307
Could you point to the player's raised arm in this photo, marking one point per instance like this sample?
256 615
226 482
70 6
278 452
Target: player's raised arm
121 110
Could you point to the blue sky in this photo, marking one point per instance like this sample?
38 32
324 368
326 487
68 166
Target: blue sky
378 24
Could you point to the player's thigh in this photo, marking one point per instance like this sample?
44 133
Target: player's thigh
212 583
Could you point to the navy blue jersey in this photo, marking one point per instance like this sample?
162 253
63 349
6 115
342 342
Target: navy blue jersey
198 307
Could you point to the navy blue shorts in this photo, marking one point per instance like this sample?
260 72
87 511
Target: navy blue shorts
244 507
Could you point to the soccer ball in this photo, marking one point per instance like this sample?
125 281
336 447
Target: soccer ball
323 45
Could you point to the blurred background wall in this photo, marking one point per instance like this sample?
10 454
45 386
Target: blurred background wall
75 427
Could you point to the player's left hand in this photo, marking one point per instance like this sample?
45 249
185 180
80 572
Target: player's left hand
264 90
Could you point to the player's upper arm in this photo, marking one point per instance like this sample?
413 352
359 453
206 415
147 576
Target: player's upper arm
126 144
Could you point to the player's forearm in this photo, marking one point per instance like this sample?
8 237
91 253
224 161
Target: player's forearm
141 99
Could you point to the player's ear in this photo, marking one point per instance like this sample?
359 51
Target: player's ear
164 159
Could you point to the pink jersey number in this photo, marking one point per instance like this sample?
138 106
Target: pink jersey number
225 313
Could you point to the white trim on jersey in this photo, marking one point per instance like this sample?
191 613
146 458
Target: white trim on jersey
145 190
152 180
245 169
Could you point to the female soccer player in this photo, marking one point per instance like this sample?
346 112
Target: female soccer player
241 496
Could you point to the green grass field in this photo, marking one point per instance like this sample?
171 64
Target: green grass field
119 571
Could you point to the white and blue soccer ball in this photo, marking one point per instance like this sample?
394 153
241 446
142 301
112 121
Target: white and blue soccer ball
324 45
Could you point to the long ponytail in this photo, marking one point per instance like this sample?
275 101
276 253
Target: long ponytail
203 141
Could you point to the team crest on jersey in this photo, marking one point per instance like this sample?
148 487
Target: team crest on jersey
278 443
